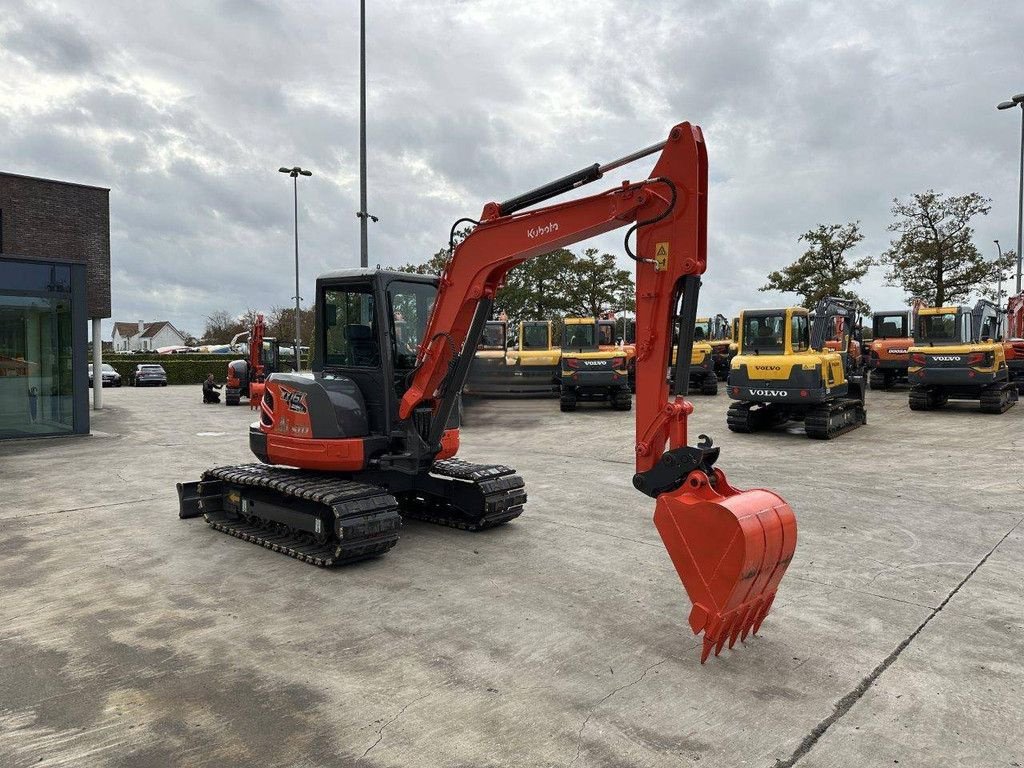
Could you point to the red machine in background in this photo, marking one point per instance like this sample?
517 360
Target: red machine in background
1013 343
369 438
246 377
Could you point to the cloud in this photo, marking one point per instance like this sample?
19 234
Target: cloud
813 113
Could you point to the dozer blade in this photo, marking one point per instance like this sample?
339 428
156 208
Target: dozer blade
730 551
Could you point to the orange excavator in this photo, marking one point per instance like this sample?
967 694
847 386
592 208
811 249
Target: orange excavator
245 377
372 436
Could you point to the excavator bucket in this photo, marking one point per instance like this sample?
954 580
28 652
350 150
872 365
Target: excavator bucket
731 549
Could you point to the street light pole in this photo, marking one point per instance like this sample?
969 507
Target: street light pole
295 172
999 287
362 215
1018 101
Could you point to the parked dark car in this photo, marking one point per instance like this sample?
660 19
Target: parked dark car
111 378
149 375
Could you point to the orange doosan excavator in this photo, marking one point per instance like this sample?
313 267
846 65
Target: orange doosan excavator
372 436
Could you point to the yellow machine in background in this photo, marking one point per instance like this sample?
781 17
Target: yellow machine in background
716 332
957 354
534 359
784 372
589 373
703 379
488 373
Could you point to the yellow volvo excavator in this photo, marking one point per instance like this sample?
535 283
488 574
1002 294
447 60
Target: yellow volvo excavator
785 372
533 359
957 354
590 372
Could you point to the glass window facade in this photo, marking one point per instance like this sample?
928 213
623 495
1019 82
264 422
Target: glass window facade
42 346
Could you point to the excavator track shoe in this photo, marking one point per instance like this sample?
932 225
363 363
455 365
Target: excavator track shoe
311 516
830 420
731 549
475 497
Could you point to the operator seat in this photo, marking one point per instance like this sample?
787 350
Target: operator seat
890 330
362 347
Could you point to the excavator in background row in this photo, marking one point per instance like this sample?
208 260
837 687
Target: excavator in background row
703 378
609 339
534 359
716 332
245 377
489 373
888 353
958 354
785 371
373 435
1013 342
592 371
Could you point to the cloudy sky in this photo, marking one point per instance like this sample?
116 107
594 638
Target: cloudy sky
813 112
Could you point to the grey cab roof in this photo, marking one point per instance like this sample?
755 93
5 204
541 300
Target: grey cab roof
356 272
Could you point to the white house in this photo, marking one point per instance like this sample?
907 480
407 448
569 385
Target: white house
133 337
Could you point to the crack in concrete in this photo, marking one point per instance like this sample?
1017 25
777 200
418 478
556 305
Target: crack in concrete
579 734
81 509
845 704
380 731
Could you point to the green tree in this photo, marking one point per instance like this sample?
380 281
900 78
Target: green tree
596 285
823 269
934 256
535 290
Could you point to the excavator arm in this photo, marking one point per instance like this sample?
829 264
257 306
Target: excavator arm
729 547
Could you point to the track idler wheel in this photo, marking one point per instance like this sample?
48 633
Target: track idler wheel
731 549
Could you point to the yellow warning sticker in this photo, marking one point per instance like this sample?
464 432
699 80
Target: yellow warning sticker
661 257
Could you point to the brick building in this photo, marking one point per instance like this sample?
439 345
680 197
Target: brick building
54 277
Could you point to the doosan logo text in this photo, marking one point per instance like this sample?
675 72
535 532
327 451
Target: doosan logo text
769 392
547 229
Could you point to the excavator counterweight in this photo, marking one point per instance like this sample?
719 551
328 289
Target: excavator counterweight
372 436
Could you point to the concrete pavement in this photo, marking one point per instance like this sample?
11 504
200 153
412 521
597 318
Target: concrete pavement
131 638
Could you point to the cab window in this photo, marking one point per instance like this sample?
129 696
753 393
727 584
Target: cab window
493 336
579 336
764 334
350 329
800 338
535 336
411 304
607 331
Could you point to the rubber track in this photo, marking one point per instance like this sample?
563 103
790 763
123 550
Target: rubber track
740 419
368 515
503 496
818 420
999 399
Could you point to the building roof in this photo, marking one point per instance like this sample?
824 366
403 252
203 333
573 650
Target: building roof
149 330
152 329
126 330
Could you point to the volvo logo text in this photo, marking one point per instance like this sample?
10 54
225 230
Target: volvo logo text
769 392
947 358
767 367
547 229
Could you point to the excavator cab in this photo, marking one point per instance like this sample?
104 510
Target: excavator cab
490 373
533 359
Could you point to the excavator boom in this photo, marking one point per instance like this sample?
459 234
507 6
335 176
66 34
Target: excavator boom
730 548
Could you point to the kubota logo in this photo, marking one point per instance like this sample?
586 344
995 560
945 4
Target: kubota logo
296 400
769 392
547 229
